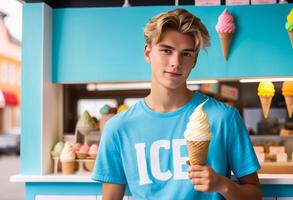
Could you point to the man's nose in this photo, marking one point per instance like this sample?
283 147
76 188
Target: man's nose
175 60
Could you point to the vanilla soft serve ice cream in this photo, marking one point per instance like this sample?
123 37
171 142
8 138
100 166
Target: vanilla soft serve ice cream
198 136
198 127
68 153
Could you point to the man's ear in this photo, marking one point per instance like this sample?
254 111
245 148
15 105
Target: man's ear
147 51
195 60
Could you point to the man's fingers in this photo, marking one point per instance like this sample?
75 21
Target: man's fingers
197 181
196 168
196 174
202 188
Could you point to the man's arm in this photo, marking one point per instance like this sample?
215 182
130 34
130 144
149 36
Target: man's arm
205 179
113 191
249 188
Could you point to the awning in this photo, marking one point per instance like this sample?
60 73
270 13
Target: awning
7 98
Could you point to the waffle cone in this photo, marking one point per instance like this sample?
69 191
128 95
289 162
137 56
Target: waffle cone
68 167
225 39
197 151
81 155
92 156
89 166
289 103
265 104
291 37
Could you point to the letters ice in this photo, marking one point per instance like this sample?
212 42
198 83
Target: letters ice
154 154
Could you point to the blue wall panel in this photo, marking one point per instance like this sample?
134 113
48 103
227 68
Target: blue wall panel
31 95
106 44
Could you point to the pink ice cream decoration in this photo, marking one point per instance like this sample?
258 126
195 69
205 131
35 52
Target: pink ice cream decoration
225 23
93 149
84 149
76 146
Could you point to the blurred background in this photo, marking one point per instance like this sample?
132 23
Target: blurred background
10 99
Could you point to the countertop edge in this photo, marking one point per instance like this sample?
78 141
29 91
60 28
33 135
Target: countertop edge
264 178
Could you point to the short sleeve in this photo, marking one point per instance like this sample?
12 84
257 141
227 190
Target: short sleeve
241 155
109 167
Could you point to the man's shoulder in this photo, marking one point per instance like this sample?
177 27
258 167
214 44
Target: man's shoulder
219 109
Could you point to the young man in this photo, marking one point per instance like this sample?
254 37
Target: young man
144 147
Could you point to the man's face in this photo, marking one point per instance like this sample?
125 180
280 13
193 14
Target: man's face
171 59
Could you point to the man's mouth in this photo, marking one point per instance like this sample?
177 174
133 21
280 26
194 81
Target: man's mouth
173 74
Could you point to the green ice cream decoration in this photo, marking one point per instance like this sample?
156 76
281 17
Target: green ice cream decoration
289 23
289 26
86 121
57 149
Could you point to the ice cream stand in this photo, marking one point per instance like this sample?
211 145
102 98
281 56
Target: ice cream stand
80 42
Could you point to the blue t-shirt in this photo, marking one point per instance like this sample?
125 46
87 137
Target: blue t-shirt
147 151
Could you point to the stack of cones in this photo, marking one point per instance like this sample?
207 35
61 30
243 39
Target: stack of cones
225 39
197 151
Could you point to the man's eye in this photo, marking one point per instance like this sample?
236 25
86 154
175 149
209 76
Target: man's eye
167 51
187 54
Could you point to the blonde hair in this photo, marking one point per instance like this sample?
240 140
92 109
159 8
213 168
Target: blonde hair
180 20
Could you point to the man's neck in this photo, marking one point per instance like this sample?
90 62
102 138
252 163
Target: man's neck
164 100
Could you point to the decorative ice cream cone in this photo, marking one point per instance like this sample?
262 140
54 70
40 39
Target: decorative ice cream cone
289 104
67 159
266 91
197 151
82 153
84 126
225 28
266 104
93 152
225 39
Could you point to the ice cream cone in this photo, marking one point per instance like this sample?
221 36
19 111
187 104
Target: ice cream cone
266 104
225 39
89 165
197 151
289 103
68 167
291 37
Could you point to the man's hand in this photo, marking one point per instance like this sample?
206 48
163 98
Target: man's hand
205 179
